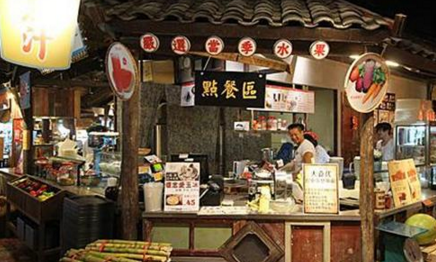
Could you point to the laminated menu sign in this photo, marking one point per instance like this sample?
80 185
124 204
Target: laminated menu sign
321 193
413 180
234 89
285 99
400 182
182 187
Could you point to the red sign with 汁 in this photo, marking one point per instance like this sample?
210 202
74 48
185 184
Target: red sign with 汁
121 71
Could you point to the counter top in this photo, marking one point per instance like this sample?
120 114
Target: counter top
9 174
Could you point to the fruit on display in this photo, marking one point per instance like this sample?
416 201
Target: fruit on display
369 77
424 221
36 189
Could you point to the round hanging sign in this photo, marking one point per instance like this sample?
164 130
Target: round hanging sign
319 49
283 48
121 71
214 45
149 43
366 82
247 46
180 45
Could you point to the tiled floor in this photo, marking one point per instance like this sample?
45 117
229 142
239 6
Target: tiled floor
11 250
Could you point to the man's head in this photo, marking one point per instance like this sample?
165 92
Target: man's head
384 131
296 133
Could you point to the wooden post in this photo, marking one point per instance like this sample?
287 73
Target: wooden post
28 157
129 168
367 189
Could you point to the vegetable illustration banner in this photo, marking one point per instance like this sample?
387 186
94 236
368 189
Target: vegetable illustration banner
366 82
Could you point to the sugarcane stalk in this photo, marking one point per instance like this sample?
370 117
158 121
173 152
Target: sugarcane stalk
129 250
67 259
151 246
129 257
101 257
128 242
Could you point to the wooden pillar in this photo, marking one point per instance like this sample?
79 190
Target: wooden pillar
367 189
129 168
28 161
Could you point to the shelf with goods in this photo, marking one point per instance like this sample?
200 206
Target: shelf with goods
38 206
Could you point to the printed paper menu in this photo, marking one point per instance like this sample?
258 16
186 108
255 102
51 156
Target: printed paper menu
413 180
399 182
321 193
182 187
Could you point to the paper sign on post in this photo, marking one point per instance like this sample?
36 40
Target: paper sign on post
413 180
321 193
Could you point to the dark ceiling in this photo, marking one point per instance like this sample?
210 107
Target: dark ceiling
421 14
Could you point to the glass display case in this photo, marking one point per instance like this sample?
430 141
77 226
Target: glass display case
411 142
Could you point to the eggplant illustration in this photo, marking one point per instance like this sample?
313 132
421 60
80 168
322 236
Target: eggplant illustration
367 77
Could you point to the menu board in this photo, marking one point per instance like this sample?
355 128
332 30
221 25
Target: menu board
321 194
285 99
399 182
182 187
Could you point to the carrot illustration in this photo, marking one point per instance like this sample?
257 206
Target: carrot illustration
370 93
377 91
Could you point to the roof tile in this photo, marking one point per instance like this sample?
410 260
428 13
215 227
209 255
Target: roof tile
309 13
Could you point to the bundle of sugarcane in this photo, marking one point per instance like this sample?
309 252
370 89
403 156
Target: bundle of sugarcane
120 251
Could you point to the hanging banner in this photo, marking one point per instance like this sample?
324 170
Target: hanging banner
234 89
182 187
400 182
38 34
366 82
121 71
25 90
321 194
285 99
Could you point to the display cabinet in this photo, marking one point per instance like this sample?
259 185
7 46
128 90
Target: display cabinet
411 141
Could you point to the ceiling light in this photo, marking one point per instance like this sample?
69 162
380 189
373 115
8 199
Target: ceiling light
354 57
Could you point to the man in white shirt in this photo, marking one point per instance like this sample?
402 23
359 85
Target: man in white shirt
386 143
305 152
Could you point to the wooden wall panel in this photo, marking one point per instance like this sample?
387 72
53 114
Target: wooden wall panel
40 97
307 244
345 243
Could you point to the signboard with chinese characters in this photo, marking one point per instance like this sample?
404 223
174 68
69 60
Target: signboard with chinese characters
413 180
121 71
149 43
321 194
285 99
214 45
399 182
235 89
283 48
25 90
386 110
247 46
366 82
319 50
182 187
180 45
38 34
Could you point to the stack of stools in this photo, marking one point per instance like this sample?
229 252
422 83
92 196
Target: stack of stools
86 219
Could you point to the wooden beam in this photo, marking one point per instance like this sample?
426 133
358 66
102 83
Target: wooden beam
128 199
367 189
406 58
253 60
47 82
225 31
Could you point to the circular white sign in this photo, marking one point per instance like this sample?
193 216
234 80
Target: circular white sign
283 48
121 71
366 82
247 46
149 43
180 45
214 45
319 49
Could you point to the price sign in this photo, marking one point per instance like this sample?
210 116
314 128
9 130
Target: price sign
182 187
321 193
